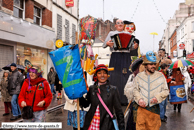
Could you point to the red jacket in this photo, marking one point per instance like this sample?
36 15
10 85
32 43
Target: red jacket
42 93
167 80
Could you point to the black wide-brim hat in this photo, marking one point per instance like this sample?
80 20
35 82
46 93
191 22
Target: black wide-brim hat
127 22
136 64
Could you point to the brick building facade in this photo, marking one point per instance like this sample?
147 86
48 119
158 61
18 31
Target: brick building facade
173 43
103 28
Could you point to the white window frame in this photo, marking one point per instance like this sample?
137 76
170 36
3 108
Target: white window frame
38 16
23 10
192 26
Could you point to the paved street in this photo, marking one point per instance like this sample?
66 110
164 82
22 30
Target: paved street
176 121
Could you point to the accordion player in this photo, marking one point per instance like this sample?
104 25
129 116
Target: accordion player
123 41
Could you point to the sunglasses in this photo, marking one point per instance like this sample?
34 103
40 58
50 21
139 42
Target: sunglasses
119 23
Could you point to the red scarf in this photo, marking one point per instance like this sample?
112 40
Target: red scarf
35 81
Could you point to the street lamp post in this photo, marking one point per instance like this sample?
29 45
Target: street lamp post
153 33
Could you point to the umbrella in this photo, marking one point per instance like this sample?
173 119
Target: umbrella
181 63
7 67
0 69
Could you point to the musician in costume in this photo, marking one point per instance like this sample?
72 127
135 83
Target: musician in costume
150 90
120 60
177 89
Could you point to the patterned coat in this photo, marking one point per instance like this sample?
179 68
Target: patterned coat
150 86
4 91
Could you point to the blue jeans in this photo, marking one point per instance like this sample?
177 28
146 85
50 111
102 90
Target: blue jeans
163 105
14 104
53 89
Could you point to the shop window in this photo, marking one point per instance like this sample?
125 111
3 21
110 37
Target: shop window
18 8
67 31
37 15
32 55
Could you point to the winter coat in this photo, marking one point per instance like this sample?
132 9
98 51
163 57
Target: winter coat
70 105
150 86
43 92
128 90
4 91
110 96
51 77
15 80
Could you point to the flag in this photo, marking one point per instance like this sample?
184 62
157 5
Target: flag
68 67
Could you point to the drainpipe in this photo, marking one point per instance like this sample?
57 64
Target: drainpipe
0 4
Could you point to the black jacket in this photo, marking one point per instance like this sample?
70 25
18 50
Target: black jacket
110 96
15 80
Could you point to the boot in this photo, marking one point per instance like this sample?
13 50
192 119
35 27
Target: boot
179 108
5 114
14 118
175 107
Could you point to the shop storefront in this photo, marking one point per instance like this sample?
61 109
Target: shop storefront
28 54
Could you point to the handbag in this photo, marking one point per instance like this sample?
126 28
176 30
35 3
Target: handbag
106 108
27 112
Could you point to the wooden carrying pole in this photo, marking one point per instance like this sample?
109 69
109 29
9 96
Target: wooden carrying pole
191 110
78 115
127 107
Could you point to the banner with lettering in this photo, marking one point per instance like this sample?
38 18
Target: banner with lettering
69 3
68 67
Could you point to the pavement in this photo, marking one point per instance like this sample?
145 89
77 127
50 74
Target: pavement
176 121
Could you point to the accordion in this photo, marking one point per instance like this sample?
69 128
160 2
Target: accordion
122 41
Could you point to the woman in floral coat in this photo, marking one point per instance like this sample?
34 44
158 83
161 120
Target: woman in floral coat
6 98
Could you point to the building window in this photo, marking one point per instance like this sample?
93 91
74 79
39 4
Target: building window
193 26
67 31
18 9
59 26
193 45
37 15
73 34
182 32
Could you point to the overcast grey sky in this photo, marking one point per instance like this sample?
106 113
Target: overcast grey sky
146 18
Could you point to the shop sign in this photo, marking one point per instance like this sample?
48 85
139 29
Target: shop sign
182 46
190 55
69 3
59 43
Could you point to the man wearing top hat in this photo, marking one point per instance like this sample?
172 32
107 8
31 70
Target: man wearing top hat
150 90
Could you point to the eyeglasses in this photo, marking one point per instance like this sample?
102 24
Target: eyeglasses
119 23
132 26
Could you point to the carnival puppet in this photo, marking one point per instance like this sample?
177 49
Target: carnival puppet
130 27
120 61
